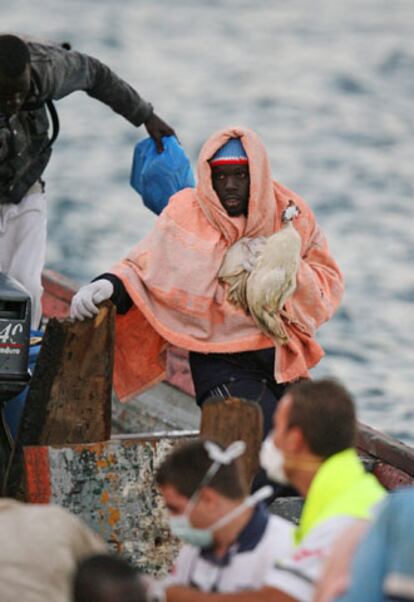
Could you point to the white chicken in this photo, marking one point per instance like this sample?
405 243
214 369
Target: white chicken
239 261
273 279
261 275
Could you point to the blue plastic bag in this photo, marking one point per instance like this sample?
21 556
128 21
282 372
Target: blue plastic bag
157 176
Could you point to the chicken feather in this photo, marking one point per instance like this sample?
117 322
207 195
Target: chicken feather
270 278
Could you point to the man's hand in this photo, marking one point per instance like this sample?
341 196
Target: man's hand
84 303
157 128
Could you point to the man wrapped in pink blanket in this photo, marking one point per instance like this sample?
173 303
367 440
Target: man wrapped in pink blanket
168 290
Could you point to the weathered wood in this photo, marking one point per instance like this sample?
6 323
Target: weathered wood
69 398
110 485
231 419
160 408
391 477
386 449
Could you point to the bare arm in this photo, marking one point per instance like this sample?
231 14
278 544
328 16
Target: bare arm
187 594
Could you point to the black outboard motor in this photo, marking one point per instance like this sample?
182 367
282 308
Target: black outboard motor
14 337
14 355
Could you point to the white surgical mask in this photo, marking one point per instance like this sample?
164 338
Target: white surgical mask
272 461
182 528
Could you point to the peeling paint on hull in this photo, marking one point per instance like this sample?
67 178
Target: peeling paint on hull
110 485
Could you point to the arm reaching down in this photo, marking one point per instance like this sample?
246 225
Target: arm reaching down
61 72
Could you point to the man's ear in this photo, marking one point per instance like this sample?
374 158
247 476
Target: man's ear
296 442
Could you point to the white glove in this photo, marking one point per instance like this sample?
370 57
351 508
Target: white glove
84 303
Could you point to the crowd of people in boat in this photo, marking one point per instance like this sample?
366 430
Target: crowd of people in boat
237 271
353 541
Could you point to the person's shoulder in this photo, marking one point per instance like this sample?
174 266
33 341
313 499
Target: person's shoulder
279 523
185 198
184 210
40 48
280 532
326 531
53 514
284 195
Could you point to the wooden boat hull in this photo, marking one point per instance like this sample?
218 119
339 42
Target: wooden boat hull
394 461
110 483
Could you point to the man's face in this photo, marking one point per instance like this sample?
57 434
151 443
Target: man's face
13 93
202 514
232 186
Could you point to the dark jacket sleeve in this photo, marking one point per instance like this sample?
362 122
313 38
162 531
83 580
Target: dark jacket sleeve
120 297
61 72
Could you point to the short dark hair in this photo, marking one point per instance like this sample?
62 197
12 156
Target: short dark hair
325 412
14 57
186 466
104 577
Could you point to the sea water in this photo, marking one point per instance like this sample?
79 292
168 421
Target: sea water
329 87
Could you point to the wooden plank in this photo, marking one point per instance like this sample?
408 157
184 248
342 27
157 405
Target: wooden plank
160 408
231 419
389 450
69 398
57 295
110 485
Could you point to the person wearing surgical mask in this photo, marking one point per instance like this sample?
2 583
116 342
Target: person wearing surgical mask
231 540
312 447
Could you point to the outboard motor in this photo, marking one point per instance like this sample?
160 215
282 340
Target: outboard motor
14 354
14 337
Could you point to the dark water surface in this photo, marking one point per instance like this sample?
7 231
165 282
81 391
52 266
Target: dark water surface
329 86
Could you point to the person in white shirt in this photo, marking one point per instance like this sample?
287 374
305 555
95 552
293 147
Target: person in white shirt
231 540
312 447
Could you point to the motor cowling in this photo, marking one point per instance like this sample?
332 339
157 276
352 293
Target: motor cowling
14 336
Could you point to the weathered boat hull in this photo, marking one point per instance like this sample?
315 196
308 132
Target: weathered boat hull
110 483
170 406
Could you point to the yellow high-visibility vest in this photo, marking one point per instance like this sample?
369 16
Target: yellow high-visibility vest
341 487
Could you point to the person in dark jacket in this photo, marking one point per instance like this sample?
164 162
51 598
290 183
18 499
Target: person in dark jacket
31 76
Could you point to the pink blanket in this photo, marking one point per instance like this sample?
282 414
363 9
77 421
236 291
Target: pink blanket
171 276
